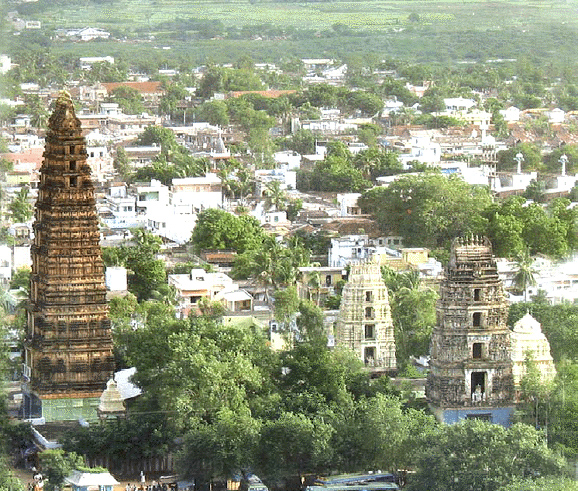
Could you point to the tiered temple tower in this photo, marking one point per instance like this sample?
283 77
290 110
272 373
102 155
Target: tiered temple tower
68 349
364 323
471 368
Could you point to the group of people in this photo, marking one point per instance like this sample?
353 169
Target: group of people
154 486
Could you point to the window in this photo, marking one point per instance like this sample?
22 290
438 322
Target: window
72 165
369 331
477 294
369 312
369 296
328 280
73 181
477 319
477 351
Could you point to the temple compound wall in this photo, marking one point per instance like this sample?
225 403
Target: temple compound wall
68 348
470 366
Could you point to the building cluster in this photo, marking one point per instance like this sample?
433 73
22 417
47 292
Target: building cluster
80 201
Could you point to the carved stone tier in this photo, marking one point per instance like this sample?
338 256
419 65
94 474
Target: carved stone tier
69 342
470 365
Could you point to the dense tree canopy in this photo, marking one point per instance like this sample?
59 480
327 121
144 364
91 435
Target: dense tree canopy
219 229
477 455
428 210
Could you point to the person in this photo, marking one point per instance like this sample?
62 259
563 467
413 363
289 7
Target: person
127 488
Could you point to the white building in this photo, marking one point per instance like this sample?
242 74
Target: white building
198 284
150 197
458 104
421 149
116 279
352 249
194 194
511 114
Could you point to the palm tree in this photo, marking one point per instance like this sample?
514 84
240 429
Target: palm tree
525 272
275 196
314 286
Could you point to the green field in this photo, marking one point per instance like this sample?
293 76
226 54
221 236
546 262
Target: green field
445 31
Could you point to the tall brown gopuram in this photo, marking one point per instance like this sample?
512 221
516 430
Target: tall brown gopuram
68 349
470 356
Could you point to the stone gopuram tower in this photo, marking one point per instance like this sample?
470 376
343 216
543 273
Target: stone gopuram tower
68 349
364 323
470 367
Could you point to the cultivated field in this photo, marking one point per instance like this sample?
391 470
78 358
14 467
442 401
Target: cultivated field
437 31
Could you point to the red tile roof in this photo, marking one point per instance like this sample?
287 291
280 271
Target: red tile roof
142 87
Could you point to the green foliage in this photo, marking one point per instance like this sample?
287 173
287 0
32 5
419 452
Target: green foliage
375 163
333 174
379 433
428 210
302 142
213 112
21 279
221 448
477 455
128 99
218 79
141 436
552 160
272 264
20 207
293 445
223 365
542 484
218 229
146 273
512 227
157 135
122 165
413 314
57 465
536 191
532 159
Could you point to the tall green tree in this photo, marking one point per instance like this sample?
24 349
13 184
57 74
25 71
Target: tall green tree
428 210
20 207
219 229
128 98
413 314
525 272
478 455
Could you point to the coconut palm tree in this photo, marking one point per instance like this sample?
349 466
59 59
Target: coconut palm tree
525 272
275 196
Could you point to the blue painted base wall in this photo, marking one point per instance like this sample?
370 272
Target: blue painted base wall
497 415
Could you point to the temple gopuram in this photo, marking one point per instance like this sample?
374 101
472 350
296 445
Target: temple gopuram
471 367
68 348
364 323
